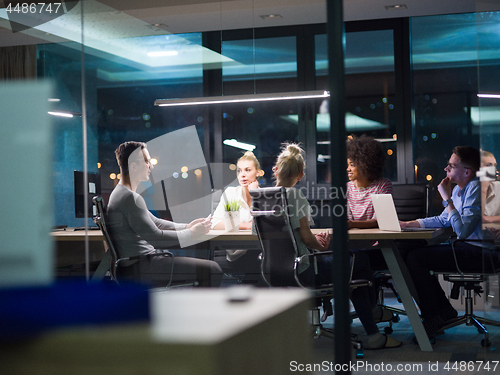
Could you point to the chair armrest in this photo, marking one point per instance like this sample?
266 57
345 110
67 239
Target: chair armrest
164 253
359 283
264 213
315 254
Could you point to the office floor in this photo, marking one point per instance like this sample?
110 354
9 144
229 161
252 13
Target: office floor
458 351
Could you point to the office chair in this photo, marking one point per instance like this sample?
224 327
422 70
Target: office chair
471 281
411 201
115 260
280 254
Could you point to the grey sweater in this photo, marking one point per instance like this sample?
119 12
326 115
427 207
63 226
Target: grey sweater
134 229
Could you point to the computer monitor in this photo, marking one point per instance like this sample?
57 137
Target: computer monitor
94 189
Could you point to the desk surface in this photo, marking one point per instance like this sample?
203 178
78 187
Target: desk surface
246 235
76 235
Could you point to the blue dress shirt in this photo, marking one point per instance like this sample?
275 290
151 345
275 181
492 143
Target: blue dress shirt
465 219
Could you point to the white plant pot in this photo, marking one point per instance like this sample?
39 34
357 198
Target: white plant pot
232 221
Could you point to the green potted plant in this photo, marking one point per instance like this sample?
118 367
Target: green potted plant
232 215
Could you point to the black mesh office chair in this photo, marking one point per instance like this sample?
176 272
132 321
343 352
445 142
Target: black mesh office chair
115 259
471 282
280 253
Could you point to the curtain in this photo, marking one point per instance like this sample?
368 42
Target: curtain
18 62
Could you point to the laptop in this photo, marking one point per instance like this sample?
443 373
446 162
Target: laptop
387 217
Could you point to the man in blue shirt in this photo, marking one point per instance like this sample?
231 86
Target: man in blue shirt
463 213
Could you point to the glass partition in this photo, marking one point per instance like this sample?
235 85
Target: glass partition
259 65
370 90
61 64
445 93
485 119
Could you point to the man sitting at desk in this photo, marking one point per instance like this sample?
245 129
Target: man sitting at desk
134 229
463 213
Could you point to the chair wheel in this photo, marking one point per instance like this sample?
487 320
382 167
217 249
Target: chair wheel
485 343
396 318
388 330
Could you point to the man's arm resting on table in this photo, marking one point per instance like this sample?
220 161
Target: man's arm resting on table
409 224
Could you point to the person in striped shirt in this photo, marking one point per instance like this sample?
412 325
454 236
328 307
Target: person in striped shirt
365 164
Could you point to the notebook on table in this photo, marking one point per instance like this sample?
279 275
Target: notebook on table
387 217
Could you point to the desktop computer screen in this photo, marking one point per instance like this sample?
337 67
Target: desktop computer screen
94 181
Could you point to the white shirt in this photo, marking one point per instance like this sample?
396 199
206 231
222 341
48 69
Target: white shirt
492 205
232 193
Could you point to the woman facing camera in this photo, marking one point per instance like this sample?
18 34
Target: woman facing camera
247 172
244 262
134 229
365 164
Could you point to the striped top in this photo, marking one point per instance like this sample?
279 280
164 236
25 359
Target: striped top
359 203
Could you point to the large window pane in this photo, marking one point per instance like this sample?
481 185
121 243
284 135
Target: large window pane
262 65
444 55
120 94
265 125
370 109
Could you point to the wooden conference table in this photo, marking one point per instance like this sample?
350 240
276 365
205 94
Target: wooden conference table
358 238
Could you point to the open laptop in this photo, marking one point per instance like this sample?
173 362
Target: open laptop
387 217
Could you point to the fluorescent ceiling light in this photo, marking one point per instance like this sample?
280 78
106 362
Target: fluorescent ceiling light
270 16
235 143
395 7
64 113
163 53
242 98
484 115
381 140
492 96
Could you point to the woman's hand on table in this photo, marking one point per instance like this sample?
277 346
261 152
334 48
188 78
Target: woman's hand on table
324 239
246 226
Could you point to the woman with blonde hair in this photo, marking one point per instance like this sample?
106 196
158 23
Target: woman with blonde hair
244 262
247 172
289 170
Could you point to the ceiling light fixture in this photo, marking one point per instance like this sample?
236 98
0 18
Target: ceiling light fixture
235 143
64 113
395 7
162 53
243 98
160 26
491 96
270 16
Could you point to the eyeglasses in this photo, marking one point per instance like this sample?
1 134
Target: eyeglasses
453 166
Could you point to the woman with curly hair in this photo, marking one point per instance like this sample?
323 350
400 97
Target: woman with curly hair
365 164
